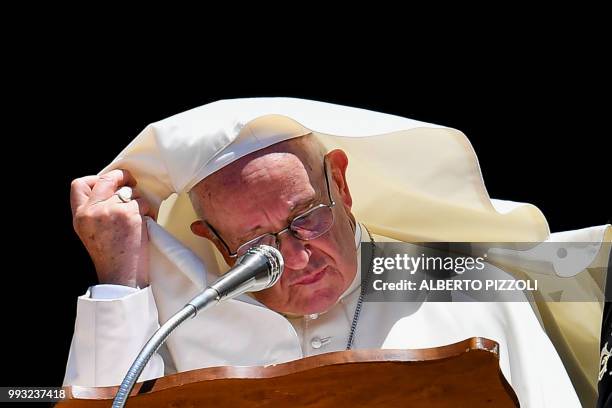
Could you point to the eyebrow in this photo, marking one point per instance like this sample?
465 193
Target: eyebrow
303 205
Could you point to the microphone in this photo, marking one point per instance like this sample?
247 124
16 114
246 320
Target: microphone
259 268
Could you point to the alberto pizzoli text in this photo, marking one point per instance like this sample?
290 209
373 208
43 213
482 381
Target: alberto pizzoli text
459 285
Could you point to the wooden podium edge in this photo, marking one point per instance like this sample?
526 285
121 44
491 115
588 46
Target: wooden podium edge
295 366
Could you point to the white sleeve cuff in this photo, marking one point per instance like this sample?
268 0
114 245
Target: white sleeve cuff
110 292
108 335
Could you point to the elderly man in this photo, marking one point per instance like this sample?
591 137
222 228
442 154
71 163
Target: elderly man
286 196
294 195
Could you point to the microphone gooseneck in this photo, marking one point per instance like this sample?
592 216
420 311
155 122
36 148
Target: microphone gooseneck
259 268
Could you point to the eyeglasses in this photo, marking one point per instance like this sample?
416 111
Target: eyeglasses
310 224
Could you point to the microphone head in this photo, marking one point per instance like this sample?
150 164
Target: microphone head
275 262
258 269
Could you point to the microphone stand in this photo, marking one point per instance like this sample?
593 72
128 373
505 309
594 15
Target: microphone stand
258 269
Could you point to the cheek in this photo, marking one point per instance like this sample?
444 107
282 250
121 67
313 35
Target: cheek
337 248
341 247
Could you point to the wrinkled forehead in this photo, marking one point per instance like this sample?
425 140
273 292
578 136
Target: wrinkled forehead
284 168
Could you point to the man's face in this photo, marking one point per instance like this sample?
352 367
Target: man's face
262 193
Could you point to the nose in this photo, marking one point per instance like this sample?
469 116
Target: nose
295 252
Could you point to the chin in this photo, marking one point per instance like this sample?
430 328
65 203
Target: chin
320 301
319 296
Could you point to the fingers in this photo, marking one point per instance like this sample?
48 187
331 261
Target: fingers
93 190
143 206
109 183
80 190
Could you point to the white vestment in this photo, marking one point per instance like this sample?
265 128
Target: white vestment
429 190
119 327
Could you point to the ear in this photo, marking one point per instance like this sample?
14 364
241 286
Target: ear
338 162
201 230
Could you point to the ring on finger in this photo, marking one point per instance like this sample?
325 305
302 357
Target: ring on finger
124 194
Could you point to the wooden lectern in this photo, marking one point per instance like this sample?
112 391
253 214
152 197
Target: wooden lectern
464 374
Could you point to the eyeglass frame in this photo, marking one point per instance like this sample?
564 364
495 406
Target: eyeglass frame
288 228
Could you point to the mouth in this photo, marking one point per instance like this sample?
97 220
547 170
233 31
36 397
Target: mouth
312 277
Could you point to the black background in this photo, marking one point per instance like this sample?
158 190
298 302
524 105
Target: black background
539 127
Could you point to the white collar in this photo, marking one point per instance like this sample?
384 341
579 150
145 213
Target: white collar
357 280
